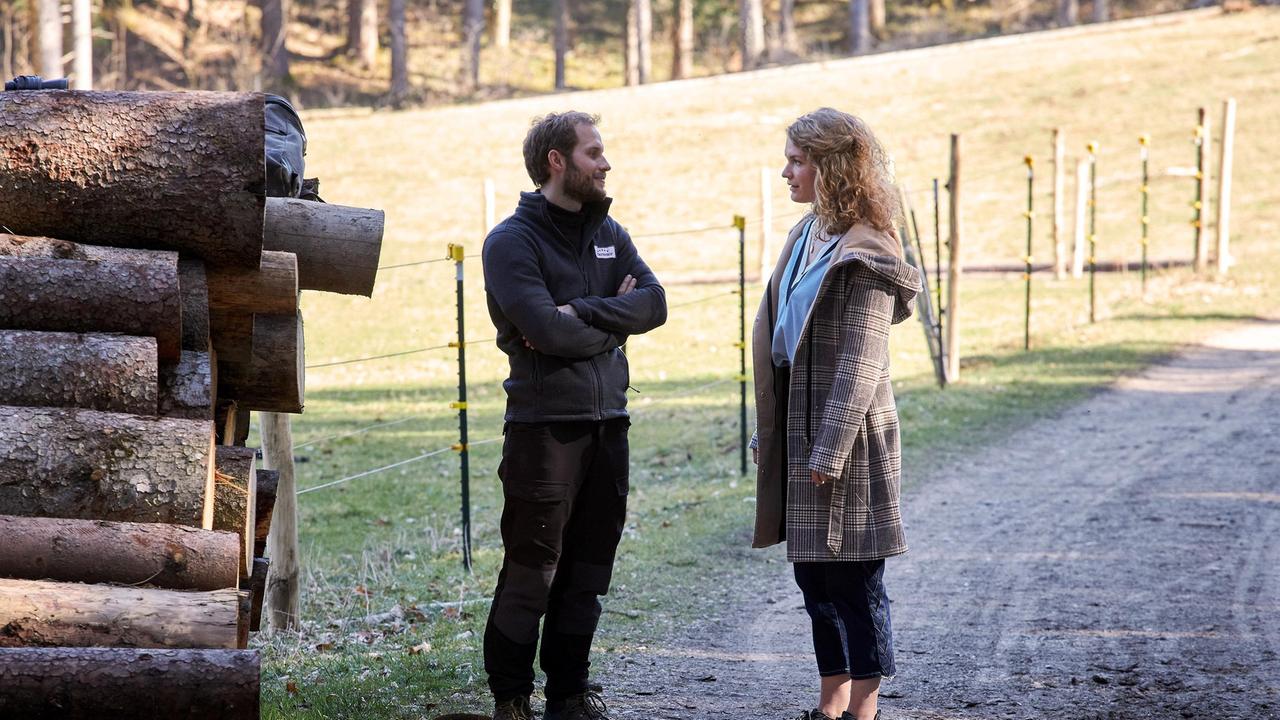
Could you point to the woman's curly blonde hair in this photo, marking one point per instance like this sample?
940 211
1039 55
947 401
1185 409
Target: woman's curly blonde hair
852 180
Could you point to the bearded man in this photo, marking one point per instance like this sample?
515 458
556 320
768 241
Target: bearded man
565 288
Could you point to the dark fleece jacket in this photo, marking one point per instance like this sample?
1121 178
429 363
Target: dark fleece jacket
575 369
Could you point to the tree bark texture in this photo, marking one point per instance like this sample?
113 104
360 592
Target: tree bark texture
561 40
337 247
859 27
682 39
751 32
275 53
362 31
231 335
186 387
644 40
49 18
264 506
472 29
399 53
99 551
193 288
631 59
88 464
128 684
1101 10
876 18
273 379
256 584
233 501
502 24
37 613
168 170
787 27
82 40
1068 12
115 373
271 288
85 296
283 586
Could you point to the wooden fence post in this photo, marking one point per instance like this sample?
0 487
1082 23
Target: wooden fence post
952 349
1082 207
1059 181
282 542
1224 184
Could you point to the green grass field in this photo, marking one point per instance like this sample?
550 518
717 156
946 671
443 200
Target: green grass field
689 155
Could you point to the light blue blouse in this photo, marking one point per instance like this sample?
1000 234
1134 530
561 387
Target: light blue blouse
798 290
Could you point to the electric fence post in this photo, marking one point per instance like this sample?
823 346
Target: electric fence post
1202 195
1093 231
1143 142
457 253
1030 214
937 256
740 222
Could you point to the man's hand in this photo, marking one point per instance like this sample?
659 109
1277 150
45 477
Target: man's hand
628 284
567 310
818 478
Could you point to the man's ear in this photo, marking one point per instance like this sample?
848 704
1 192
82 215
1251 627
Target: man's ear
555 160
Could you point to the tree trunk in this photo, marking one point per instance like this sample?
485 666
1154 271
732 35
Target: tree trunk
82 296
264 506
114 373
644 40
1068 12
194 289
50 614
399 54
256 584
561 40
682 40
136 170
502 24
186 388
632 56
82 24
876 18
751 19
472 29
49 17
337 246
129 684
87 464
1101 10
362 31
282 581
97 551
275 54
234 503
859 27
231 335
787 27
273 380
270 289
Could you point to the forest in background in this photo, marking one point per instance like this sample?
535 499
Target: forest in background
325 53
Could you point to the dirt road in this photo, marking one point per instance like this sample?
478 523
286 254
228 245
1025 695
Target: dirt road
1119 561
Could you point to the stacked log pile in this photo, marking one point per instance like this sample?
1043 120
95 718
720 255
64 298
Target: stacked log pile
148 303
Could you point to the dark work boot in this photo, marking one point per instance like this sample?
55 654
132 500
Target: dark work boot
587 706
516 708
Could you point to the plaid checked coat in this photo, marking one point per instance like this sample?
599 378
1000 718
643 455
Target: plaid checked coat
842 420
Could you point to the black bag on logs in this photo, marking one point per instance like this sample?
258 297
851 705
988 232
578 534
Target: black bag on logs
286 146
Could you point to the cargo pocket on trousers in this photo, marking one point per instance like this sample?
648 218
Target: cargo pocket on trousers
525 465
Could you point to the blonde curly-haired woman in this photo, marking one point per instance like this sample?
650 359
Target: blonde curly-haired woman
826 443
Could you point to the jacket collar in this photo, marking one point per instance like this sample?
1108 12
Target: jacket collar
534 206
881 253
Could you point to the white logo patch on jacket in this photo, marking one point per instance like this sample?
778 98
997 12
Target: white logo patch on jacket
606 253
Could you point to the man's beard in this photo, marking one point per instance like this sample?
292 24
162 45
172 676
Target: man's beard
581 186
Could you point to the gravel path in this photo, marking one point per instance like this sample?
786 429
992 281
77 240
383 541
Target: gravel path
1119 561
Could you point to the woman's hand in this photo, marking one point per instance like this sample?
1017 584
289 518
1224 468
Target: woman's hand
818 478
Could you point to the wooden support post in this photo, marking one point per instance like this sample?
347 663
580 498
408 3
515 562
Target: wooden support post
1081 218
282 543
1202 188
1225 162
234 502
952 348
1059 201
766 224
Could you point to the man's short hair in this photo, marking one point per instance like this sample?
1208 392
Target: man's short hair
554 131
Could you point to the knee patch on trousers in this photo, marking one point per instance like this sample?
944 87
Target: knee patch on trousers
522 602
579 610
